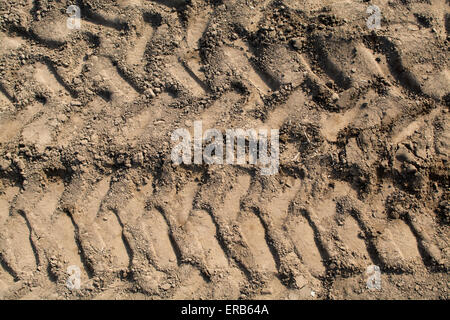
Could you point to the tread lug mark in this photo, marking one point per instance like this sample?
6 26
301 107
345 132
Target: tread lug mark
277 117
249 13
279 62
197 25
177 212
333 123
349 55
206 225
48 77
353 246
5 103
200 225
303 238
6 281
38 133
194 283
10 127
398 247
220 197
10 43
437 85
89 195
337 232
273 212
136 126
145 225
145 233
159 236
189 56
6 197
238 59
16 247
111 231
254 235
135 56
182 75
111 80
399 62
175 206
322 216
220 205
47 223
104 18
64 234
36 208
7 275
232 202
218 112
429 239
402 131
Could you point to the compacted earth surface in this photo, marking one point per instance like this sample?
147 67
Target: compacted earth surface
88 189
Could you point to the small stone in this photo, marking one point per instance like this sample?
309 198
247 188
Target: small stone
266 291
296 44
335 97
300 281
75 103
138 158
150 92
166 286
4 164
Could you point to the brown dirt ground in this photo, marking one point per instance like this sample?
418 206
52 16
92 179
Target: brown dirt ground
86 177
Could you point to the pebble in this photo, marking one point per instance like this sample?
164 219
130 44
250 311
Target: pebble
335 97
150 93
166 286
